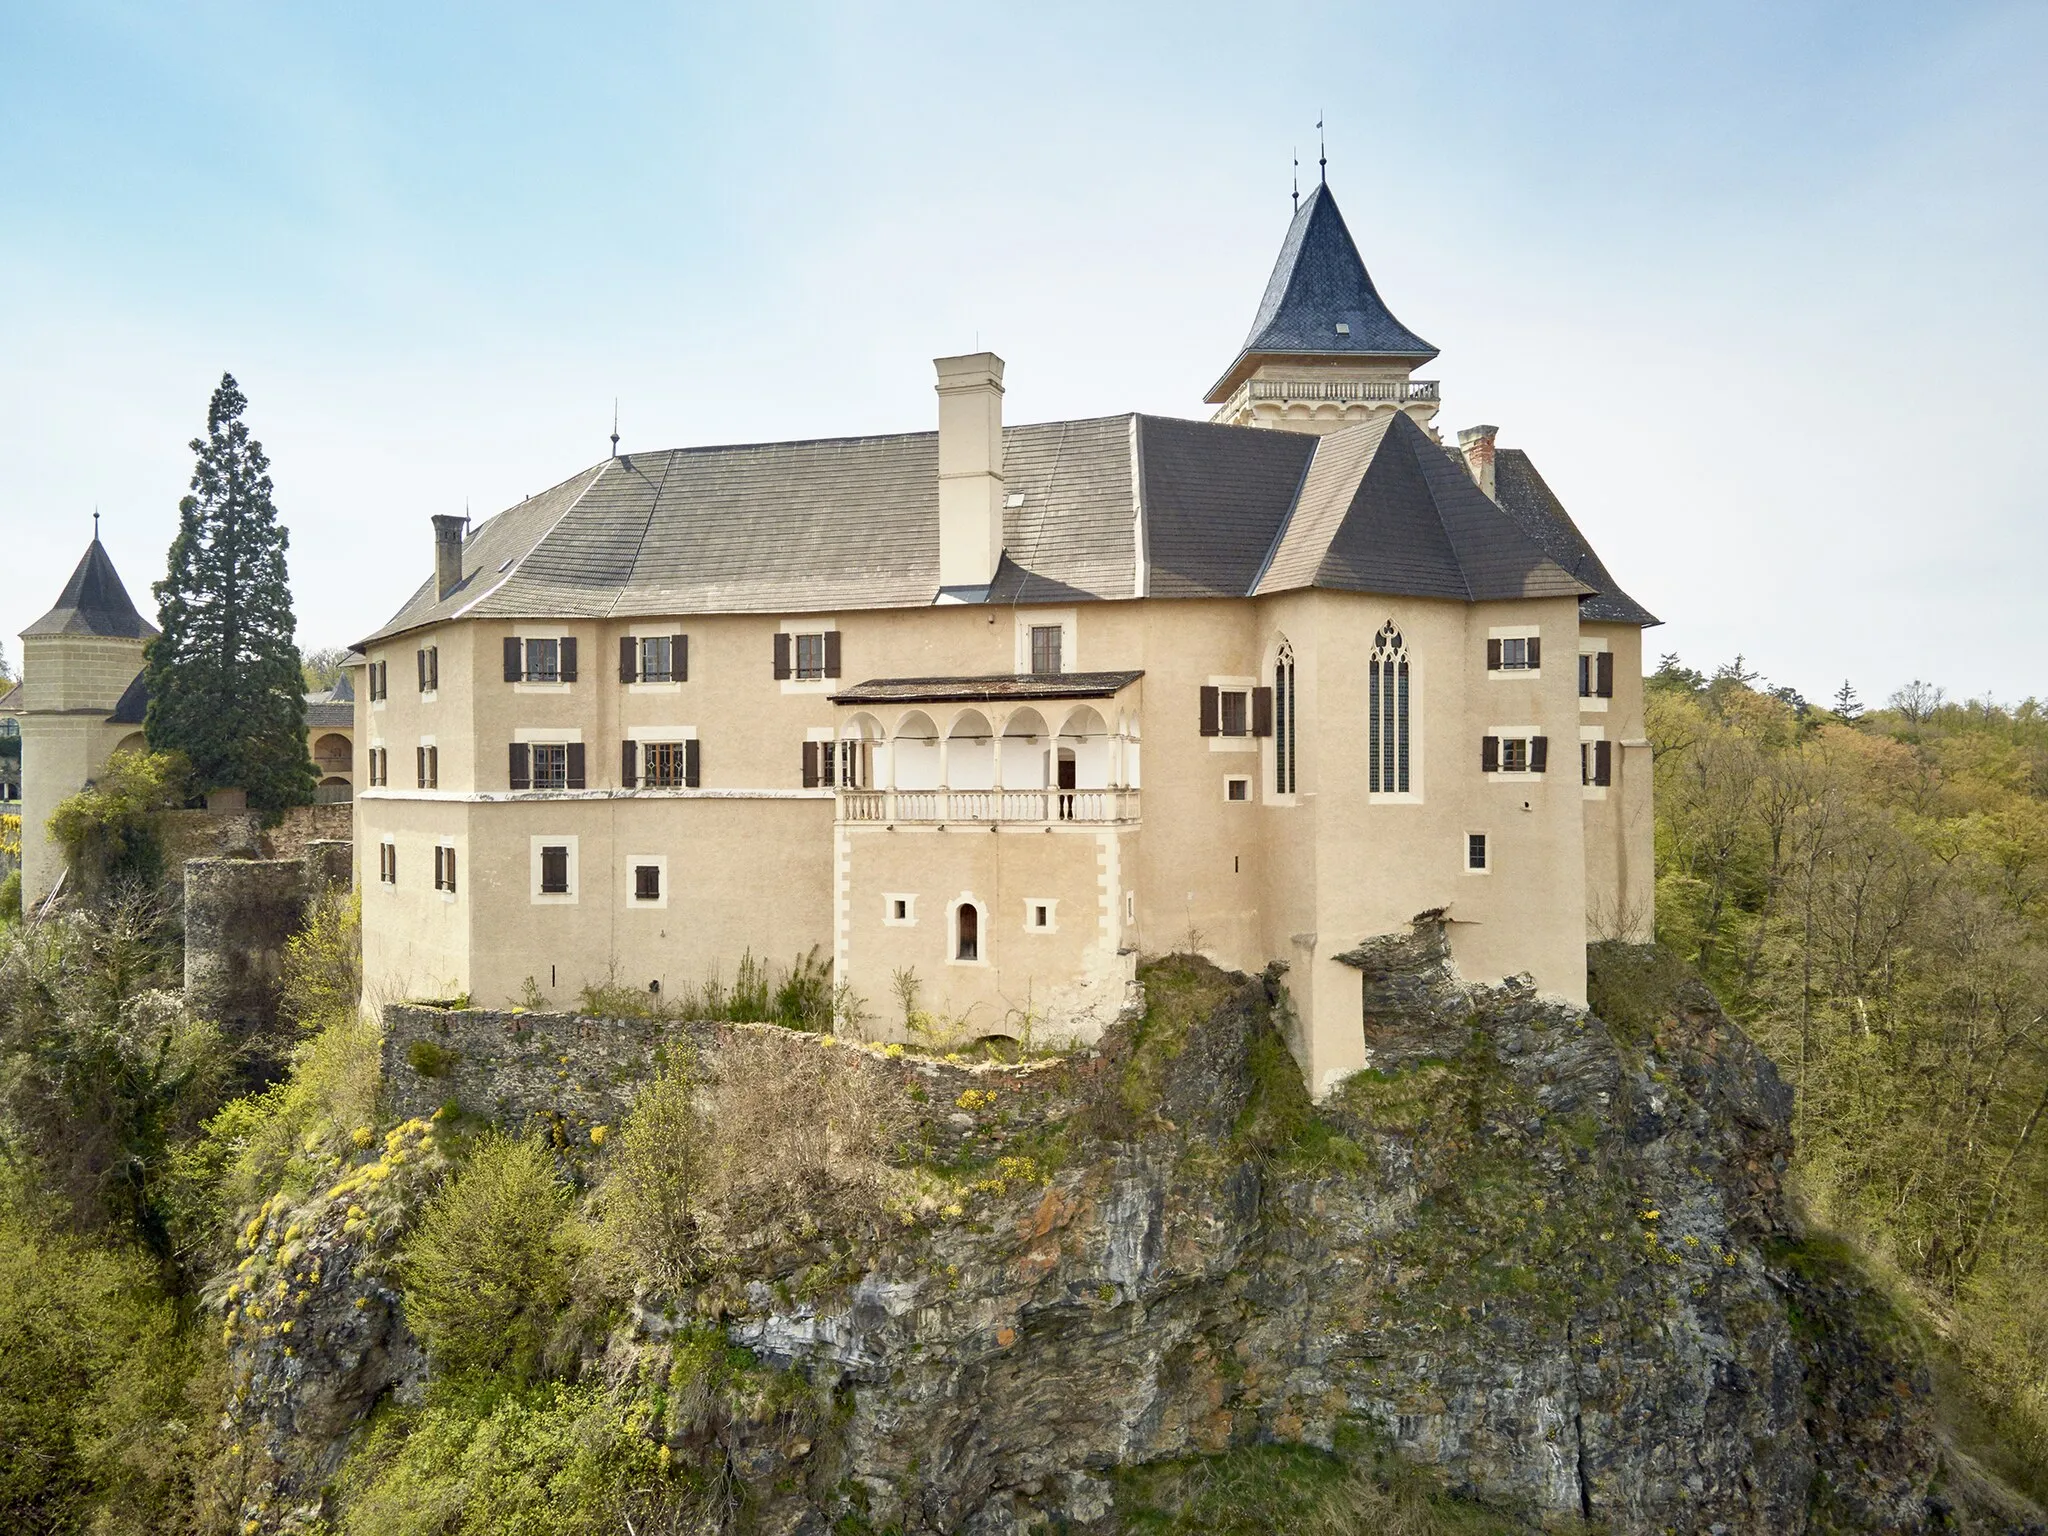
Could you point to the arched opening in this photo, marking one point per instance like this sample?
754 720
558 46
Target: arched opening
333 791
1085 735
333 754
967 932
914 752
1024 747
859 738
970 752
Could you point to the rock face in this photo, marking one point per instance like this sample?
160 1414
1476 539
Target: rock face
1540 1252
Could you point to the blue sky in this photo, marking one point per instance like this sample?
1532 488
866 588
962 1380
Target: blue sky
1759 287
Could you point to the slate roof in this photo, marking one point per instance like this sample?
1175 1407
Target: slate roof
324 713
953 690
93 603
1318 283
11 700
1105 508
1528 499
133 704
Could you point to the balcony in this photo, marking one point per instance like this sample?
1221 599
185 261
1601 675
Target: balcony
989 807
1245 402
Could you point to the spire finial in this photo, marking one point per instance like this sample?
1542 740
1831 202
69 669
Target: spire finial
1322 150
1297 181
615 426
95 522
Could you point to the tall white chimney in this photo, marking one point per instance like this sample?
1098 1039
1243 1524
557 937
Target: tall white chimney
1476 443
970 468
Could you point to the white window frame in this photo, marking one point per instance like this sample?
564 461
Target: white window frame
1524 733
982 936
1247 742
1413 795
1591 703
526 632
889 917
640 632
1505 632
810 624
1052 914
388 881
633 862
540 898
448 896
1068 620
1588 734
1230 779
1465 851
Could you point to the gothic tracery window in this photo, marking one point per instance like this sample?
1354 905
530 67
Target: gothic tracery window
1387 704
1285 721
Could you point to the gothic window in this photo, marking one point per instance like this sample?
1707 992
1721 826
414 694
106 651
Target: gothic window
1284 721
1387 705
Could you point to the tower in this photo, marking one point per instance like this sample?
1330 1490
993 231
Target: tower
81 697
1324 351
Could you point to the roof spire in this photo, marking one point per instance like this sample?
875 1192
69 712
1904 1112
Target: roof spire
1297 181
95 522
1322 150
615 426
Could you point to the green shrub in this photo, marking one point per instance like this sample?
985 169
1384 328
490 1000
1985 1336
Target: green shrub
10 898
488 1270
429 1059
110 831
656 1184
323 963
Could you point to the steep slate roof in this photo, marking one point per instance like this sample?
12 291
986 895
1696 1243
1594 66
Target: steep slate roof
93 603
133 704
1525 497
1106 508
324 713
1319 281
1383 510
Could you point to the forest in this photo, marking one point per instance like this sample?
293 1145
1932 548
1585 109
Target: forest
1866 892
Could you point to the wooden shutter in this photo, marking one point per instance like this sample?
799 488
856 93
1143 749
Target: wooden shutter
1603 762
1489 754
831 653
1539 753
440 867
575 756
520 774
433 668
1603 685
690 761
568 658
811 764
421 754
1262 711
1535 653
515 660
629 764
781 654
1493 655
421 657
629 659
1212 710
451 869
679 657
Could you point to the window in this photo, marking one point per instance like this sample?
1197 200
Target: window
379 766
1237 711
378 676
1284 726
543 661
671 764
429 658
899 910
1386 746
815 655
1235 715
1237 789
546 765
551 767
967 922
1596 674
657 659
810 656
1038 915
646 882
536 660
554 870
856 764
1596 763
1520 751
429 765
1475 852
1515 653
444 868
387 863
1045 650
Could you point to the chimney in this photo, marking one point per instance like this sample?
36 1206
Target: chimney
970 468
447 553
1476 443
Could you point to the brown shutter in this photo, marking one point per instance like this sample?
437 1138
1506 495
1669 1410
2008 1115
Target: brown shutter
451 869
421 754
1212 709
515 660
1535 653
1539 753
433 767
781 654
440 870
679 654
1493 655
1604 674
690 762
521 772
810 765
575 756
1262 711
421 657
831 653
568 658
1603 762
629 659
1489 754
629 764
434 668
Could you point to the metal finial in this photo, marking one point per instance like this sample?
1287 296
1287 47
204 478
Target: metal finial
1322 150
1297 181
615 426
95 523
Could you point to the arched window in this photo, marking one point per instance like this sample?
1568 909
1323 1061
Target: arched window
1387 702
1284 721
968 946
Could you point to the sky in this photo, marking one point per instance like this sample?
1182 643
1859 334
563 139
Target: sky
1759 287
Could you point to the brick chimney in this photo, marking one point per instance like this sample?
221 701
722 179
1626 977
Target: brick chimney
970 392
1476 443
447 553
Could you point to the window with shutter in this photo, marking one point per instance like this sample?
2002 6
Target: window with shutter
657 659
629 764
667 764
810 657
1586 659
1233 713
520 774
1514 754
554 871
1212 710
781 655
568 655
515 660
647 882
629 659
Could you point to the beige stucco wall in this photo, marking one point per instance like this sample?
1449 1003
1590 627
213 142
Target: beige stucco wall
1620 833
755 861
71 684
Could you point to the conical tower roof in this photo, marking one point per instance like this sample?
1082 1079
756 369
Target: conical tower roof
1318 284
93 603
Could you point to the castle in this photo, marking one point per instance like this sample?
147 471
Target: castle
1002 707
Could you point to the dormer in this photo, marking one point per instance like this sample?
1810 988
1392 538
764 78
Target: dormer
1325 352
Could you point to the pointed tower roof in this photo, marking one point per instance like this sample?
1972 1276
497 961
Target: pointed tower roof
93 603
1318 284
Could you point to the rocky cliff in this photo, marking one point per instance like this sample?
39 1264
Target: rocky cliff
1541 1255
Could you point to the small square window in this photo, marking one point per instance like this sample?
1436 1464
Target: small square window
1475 851
900 910
1045 650
1233 714
1237 789
554 871
646 882
1041 915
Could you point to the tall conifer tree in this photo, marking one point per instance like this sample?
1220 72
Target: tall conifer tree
225 685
